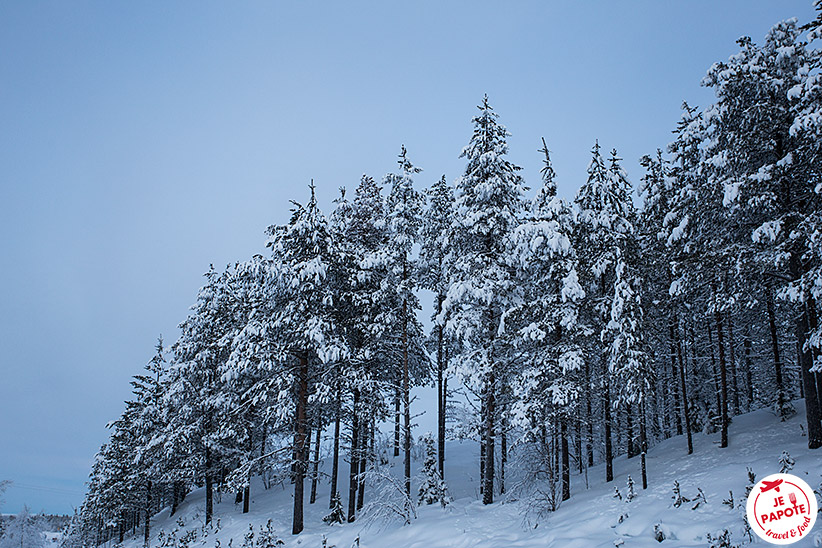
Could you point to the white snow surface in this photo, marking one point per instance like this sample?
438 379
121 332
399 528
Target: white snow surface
589 519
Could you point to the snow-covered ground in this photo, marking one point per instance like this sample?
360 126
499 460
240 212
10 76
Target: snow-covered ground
589 519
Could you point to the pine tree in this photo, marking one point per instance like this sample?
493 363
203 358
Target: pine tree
432 487
488 205
435 260
307 336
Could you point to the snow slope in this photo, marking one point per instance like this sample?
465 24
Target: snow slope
589 519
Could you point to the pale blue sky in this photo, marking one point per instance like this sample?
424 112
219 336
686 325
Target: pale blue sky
140 142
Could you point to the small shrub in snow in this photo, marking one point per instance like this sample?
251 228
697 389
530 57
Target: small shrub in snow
248 538
678 498
785 463
699 499
631 493
729 502
432 487
617 494
721 540
659 534
337 515
267 538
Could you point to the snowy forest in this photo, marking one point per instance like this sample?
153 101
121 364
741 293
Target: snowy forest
564 334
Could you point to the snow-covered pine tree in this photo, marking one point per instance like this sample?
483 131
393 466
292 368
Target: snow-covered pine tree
308 339
546 320
404 220
435 258
488 208
605 222
24 531
432 487
192 435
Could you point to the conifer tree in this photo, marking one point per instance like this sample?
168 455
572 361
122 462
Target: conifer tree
488 205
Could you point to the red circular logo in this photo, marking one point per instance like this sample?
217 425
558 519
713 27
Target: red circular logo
781 509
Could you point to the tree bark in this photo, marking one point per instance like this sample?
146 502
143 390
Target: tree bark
732 363
490 409
440 393
209 487
812 413
566 465
781 399
354 463
147 524
606 410
643 444
406 401
315 464
748 369
300 436
684 390
335 459
364 434
675 375
723 377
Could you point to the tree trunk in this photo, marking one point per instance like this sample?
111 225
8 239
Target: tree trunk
397 414
684 390
748 369
629 427
723 377
247 497
355 464
440 393
675 375
643 444
717 387
503 457
566 465
606 410
490 409
365 432
147 524
209 487
811 397
781 398
300 436
335 459
483 420
315 464
589 440
732 363
406 401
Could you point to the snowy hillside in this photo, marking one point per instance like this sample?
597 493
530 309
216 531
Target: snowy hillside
590 519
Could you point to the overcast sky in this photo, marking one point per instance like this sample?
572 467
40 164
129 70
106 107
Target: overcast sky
142 141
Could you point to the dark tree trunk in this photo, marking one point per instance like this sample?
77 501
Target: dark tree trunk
643 444
490 410
440 393
147 524
606 410
717 387
397 414
503 457
748 369
315 464
777 361
355 464
684 390
483 420
723 378
238 497
209 480
406 402
589 441
364 434
335 459
674 376
811 397
732 363
300 449
121 528
247 498
566 464
629 427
